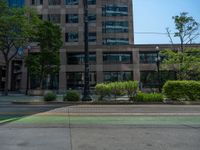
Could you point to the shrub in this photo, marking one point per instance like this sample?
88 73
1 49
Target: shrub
182 90
149 97
50 96
131 88
72 96
102 90
116 89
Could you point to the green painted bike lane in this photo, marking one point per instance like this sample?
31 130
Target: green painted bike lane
102 120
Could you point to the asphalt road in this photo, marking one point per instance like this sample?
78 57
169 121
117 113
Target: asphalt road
98 127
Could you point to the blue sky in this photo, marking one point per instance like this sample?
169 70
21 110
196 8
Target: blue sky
156 15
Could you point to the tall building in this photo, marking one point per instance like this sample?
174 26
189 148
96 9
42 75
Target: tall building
113 54
110 39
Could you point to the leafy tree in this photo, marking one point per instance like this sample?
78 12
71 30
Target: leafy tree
17 27
185 64
47 61
186 30
184 61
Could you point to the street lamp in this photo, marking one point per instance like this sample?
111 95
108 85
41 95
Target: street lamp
86 93
158 60
27 78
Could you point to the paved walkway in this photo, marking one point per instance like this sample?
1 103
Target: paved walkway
100 127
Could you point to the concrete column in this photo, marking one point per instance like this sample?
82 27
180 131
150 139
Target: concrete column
62 73
136 64
24 78
99 66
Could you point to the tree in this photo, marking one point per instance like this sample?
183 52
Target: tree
183 61
186 64
47 61
186 30
17 27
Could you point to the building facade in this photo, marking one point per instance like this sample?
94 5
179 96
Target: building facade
113 54
110 39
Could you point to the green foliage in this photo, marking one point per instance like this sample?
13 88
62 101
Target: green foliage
149 97
50 96
186 29
72 96
130 88
102 90
47 61
186 64
116 89
182 90
17 27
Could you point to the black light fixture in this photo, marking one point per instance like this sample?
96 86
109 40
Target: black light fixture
86 92
158 60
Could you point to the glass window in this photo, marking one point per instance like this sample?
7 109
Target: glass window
71 37
150 78
71 18
54 18
16 3
115 41
92 18
36 2
75 80
117 58
91 2
148 57
50 82
92 36
54 2
71 2
115 10
117 76
79 58
115 27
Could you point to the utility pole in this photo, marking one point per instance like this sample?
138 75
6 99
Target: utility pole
86 93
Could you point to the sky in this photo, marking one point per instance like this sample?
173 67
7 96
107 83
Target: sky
156 16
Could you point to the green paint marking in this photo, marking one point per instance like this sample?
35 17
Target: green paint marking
6 120
132 120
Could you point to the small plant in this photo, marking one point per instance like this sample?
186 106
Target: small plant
149 97
131 88
116 89
72 96
50 96
102 90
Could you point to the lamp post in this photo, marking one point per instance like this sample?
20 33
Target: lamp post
27 78
158 60
86 92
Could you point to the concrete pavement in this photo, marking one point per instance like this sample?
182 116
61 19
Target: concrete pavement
101 127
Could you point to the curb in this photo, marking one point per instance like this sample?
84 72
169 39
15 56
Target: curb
106 103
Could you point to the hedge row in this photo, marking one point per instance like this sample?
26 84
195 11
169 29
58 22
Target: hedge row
182 90
129 88
149 97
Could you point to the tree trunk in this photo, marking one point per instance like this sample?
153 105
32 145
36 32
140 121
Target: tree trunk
7 78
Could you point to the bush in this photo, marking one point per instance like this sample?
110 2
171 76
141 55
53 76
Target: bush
50 96
116 89
102 90
72 96
149 97
182 90
131 87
